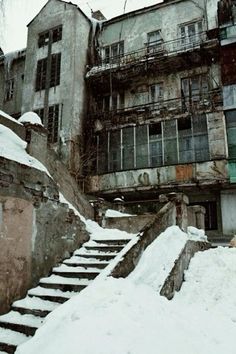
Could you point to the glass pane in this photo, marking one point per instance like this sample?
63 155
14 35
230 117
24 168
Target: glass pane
102 153
170 142
141 146
128 148
115 151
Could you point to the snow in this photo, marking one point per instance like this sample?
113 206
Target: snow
30 117
36 303
128 316
16 317
13 148
5 115
110 213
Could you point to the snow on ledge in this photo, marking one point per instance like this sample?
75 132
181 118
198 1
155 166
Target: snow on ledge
111 213
30 117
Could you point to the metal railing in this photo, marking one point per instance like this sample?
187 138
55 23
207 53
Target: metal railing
153 50
208 101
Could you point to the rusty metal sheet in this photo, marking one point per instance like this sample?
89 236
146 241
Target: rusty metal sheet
184 172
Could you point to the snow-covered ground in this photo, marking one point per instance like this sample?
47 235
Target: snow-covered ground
127 316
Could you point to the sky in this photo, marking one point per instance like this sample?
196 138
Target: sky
18 13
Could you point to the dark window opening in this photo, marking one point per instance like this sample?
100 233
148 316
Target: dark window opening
9 89
41 72
53 123
211 222
55 70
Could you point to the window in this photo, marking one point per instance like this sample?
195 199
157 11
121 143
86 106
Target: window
156 93
114 102
154 42
53 123
54 33
40 113
194 91
164 143
41 73
230 117
112 53
9 89
191 34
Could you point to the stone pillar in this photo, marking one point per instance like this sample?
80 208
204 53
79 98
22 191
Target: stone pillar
199 212
181 201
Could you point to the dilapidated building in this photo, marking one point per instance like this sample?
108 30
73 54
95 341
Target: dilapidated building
138 105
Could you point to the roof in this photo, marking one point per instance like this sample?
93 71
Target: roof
69 3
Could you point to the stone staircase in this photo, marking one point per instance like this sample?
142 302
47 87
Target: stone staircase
66 280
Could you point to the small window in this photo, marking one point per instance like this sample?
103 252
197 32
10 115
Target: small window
156 92
191 33
154 41
112 53
9 89
54 33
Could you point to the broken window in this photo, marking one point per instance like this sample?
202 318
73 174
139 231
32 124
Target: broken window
230 117
194 91
154 41
41 72
55 33
191 34
9 89
200 136
112 53
53 123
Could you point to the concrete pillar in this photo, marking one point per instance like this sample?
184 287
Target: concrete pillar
181 201
36 137
199 212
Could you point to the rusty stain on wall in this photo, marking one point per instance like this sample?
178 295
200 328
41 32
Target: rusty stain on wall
184 172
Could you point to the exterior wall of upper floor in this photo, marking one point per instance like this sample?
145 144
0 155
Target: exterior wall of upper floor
67 93
12 69
172 20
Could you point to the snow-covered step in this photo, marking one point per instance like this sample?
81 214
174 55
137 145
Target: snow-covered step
26 324
93 255
34 306
103 247
111 242
64 283
75 261
55 295
9 340
76 272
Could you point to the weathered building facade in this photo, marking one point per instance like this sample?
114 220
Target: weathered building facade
148 97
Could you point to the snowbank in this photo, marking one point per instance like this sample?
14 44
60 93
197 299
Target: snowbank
13 148
30 117
128 316
110 213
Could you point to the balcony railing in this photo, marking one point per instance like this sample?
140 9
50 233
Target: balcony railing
152 50
200 103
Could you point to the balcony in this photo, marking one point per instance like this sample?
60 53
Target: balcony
162 109
164 53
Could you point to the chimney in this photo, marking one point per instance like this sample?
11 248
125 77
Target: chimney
98 15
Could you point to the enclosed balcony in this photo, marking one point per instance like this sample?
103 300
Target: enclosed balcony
161 56
157 110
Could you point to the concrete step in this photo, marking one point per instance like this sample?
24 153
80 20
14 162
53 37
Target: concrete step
34 306
64 284
104 248
9 340
75 262
26 324
53 295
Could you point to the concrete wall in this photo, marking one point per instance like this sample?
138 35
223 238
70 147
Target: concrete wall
36 230
182 175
